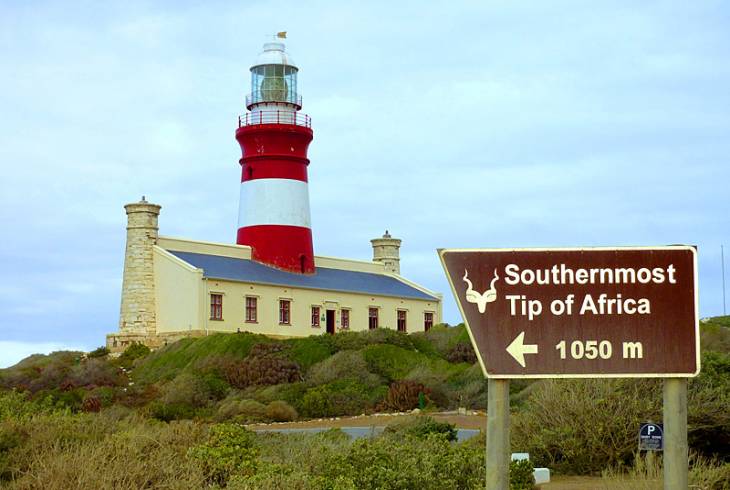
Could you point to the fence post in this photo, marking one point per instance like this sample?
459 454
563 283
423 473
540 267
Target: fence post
498 448
676 457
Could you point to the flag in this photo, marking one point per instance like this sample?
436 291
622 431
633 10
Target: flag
281 35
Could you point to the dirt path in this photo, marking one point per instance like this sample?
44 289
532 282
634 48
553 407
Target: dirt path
471 421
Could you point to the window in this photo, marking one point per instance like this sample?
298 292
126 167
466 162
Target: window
345 318
401 320
251 313
284 312
315 316
372 318
216 307
427 321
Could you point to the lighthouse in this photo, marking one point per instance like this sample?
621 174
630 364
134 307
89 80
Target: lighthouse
273 215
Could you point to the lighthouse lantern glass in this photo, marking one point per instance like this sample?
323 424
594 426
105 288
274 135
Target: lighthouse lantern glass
274 83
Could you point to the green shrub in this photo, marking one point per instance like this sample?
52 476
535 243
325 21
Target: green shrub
343 365
167 362
343 397
104 394
186 389
95 372
708 417
230 450
421 427
553 424
167 412
392 362
280 411
349 340
132 353
442 338
440 392
98 352
291 393
395 462
308 351
521 475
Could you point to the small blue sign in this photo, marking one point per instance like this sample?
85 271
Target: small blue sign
651 437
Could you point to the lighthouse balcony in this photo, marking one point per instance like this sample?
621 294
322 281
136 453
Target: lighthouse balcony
274 117
268 96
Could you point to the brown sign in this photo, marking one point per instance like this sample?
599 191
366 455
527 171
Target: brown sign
579 312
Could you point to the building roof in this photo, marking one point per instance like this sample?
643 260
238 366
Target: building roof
242 270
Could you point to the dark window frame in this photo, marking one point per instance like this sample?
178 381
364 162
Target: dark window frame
373 320
252 314
316 311
284 312
216 306
402 323
427 320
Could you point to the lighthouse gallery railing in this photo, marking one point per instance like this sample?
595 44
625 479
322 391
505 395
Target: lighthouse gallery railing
274 117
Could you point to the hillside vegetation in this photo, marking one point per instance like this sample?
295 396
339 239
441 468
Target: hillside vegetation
60 409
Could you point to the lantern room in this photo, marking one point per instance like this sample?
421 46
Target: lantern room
273 79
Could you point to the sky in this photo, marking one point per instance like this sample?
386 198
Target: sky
451 124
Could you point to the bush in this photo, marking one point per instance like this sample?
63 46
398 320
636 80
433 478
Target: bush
307 351
59 452
443 338
343 397
708 417
343 365
421 427
440 392
403 396
395 462
262 370
95 372
521 475
392 362
183 355
230 450
91 404
582 426
243 411
280 411
132 353
98 352
186 389
291 393
167 412
462 352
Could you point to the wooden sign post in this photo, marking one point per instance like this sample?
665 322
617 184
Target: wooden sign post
580 312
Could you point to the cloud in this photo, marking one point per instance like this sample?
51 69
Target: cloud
452 124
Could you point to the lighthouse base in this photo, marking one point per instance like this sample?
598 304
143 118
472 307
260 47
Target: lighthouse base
287 248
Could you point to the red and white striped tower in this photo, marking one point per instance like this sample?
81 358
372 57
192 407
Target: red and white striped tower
273 215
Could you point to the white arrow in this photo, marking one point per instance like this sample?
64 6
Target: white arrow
518 349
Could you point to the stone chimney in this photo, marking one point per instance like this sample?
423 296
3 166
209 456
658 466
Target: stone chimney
138 313
386 251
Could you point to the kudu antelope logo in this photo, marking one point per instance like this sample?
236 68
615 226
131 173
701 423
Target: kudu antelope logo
481 300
